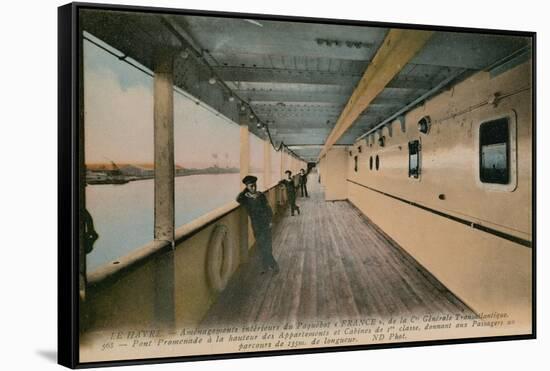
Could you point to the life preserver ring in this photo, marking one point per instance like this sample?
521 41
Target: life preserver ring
220 258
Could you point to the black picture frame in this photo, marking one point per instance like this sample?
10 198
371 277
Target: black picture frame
71 176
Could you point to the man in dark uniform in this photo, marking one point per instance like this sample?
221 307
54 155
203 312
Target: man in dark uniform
261 216
303 183
290 192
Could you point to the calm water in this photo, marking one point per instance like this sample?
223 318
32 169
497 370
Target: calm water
123 214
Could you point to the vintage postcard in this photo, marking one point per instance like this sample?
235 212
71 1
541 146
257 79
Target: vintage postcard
268 184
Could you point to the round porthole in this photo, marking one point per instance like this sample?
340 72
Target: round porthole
424 124
377 162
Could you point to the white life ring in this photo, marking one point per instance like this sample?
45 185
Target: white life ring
219 262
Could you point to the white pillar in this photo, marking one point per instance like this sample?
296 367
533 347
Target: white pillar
244 145
164 147
244 169
281 164
163 96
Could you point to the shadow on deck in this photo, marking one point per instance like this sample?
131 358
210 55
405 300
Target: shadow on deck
335 264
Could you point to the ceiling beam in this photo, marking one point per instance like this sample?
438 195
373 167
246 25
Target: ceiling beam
294 76
265 97
398 48
309 77
298 131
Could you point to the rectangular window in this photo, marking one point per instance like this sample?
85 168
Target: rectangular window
206 153
414 158
119 153
494 149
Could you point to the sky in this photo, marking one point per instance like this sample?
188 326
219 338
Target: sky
119 119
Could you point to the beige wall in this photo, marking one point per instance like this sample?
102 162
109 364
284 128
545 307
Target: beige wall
322 168
487 272
334 172
124 303
193 295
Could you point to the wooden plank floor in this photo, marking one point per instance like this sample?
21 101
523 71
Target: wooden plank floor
335 264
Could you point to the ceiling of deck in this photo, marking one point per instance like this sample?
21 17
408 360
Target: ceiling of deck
295 76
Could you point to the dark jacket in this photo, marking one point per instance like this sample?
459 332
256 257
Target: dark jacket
258 209
290 188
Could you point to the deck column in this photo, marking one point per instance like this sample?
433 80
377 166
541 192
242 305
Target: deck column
244 169
267 164
164 147
281 153
164 184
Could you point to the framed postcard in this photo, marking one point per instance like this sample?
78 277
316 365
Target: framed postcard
237 185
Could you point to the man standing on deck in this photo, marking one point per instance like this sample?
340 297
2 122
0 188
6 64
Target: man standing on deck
290 192
303 183
261 216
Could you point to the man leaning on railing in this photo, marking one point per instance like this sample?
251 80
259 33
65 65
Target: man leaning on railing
261 218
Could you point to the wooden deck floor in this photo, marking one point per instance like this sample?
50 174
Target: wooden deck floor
335 264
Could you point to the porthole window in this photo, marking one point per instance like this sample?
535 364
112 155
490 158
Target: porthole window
377 161
424 124
414 159
370 163
494 151
355 167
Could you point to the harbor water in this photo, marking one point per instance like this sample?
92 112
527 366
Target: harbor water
124 214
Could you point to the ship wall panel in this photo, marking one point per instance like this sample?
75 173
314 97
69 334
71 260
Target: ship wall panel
125 303
450 153
487 272
335 174
193 294
322 170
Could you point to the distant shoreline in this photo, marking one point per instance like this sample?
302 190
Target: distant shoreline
127 178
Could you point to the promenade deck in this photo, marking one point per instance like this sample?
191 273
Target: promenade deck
334 264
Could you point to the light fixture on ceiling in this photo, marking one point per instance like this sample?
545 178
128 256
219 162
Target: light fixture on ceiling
254 22
212 80
231 98
347 43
